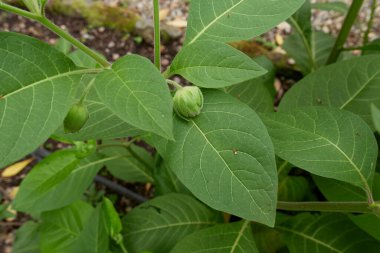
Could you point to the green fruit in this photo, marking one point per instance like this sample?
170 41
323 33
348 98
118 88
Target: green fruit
188 102
76 118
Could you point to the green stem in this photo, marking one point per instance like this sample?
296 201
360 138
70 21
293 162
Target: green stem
76 43
176 85
345 31
57 30
370 22
341 207
123 248
157 35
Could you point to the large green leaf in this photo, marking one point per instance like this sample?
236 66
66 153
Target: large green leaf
309 57
212 64
327 233
326 141
352 85
61 228
226 238
259 92
159 224
27 239
225 158
137 93
61 176
37 87
233 20
102 123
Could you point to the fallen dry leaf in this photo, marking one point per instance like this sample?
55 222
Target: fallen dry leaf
163 13
178 23
16 168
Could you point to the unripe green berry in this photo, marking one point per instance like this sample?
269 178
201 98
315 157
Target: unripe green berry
76 118
188 102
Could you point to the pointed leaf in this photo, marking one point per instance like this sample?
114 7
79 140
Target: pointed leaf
137 93
159 224
212 64
327 142
233 20
225 158
328 233
352 85
37 87
227 238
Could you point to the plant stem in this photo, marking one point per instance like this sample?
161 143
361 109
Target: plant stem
370 22
123 248
76 43
345 31
157 35
57 30
176 85
342 207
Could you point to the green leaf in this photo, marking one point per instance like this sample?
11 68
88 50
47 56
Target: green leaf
94 237
37 87
311 56
327 142
212 64
63 46
293 188
337 6
112 219
159 224
257 93
137 93
351 85
60 229
135 165
102 123
233 20
226 238
27 239
59 176
376 117
225 158
327 233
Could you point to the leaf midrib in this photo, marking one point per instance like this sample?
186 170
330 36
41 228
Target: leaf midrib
311 239
228 167
173 225
214 21
75 72
240 234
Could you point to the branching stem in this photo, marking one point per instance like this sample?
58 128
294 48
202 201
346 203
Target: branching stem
157 34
